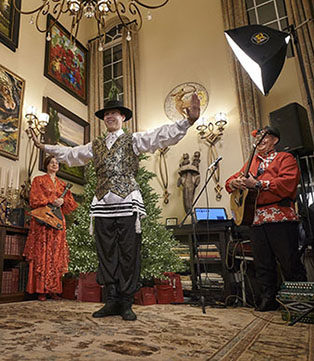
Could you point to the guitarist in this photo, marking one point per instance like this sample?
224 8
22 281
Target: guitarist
274 232
46 248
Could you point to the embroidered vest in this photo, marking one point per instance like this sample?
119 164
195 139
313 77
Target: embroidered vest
116 168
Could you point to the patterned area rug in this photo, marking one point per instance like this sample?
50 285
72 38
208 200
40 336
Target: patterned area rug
65 330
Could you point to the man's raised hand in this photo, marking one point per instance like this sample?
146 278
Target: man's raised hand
193 111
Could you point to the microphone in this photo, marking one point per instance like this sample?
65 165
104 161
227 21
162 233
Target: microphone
215 162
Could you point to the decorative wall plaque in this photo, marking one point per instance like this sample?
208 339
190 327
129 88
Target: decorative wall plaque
179 99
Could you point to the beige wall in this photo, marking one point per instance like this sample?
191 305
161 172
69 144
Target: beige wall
188 46
183 43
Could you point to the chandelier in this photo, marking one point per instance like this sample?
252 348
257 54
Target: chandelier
128 12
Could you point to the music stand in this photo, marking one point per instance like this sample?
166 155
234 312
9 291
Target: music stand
212 167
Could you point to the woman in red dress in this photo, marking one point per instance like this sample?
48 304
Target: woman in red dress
46 248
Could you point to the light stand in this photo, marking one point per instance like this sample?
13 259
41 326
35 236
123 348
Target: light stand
212 167
296 43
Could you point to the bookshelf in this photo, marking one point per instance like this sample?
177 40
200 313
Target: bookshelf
13 268
207 248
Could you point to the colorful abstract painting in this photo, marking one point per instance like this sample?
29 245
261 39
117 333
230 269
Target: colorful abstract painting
11 104
66 61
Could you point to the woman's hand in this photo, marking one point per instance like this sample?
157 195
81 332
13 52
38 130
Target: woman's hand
58 202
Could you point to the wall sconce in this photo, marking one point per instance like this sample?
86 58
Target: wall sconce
36 127
212 136
36 124
208 132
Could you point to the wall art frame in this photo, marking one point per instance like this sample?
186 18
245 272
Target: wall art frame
10 24
66 62
64 128
11 107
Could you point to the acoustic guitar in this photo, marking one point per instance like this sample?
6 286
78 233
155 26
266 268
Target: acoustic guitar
243 201
50 215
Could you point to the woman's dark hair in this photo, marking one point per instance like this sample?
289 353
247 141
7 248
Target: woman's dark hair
47 161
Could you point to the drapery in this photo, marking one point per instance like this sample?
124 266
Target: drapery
96 88
130 67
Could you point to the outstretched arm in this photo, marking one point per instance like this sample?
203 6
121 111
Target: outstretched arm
167 134
76 156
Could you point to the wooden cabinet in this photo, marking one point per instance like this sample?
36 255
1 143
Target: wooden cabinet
207 244
13 268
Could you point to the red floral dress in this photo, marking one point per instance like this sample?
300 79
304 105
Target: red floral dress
46 249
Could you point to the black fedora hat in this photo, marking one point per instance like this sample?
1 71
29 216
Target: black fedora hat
269 130
114 104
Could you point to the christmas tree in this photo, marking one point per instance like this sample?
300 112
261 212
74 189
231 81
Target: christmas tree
158 255
81 243
158 242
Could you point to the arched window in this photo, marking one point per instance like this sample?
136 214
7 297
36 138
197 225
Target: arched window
113 61
117 61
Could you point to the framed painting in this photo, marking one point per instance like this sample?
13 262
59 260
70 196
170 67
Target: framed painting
64 128
66 63
11 106
9 23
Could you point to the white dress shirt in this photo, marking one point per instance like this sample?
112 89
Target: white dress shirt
112 205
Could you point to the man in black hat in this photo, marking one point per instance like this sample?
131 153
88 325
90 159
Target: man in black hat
274 232
118 206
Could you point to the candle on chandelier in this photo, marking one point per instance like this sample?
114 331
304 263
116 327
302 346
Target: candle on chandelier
10 184
17 178
3 176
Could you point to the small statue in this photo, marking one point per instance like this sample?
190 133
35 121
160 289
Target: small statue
196 159
189 178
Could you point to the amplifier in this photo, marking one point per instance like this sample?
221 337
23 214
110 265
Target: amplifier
298 299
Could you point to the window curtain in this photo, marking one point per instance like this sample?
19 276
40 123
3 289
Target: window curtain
234 15
130 67
298 12
96 88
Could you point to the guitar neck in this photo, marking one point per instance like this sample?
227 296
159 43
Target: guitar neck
67 187
249 162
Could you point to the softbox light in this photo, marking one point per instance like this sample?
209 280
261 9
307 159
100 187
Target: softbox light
261 51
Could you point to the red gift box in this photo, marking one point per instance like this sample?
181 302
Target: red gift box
145 296
69 288
88 289
169 290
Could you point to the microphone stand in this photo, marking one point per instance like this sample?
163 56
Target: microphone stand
214 167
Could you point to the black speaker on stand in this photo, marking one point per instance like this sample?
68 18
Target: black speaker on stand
295 133
296 138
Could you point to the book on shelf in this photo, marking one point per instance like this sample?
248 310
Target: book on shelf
212 254
23 275
10 281
14 244
182 251
208 246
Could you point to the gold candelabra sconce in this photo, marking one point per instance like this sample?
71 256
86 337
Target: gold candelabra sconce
36 124
208 132
212 133
36 128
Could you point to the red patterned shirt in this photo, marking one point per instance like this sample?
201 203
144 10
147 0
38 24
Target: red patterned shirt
279 175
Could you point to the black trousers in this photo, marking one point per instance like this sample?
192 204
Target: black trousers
272 241
118 249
